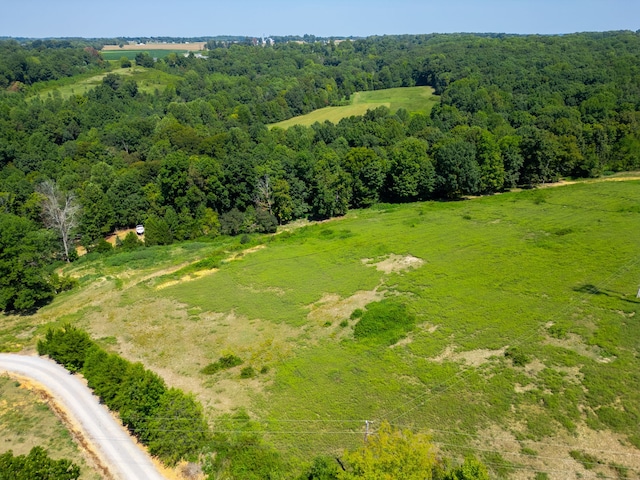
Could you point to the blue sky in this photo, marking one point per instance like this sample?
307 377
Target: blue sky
81 18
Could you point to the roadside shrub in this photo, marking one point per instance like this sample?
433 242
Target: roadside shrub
105 373
385 322
169 421
67 346
179 428
138 399
247 372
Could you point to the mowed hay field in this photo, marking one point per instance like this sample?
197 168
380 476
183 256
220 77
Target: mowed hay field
186 47
157 50
525 349
412 99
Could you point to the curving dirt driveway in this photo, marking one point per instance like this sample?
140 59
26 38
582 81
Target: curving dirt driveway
98 431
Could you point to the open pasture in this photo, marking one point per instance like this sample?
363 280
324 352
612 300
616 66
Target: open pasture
148 81
523 350
412 99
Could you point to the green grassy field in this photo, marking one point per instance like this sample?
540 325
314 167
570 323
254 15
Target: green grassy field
525 349
148 81
413 99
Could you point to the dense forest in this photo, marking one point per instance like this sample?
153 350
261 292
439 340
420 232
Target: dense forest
196 158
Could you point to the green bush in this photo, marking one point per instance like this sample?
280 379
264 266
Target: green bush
36 466
131 242
67 346
557 331
247 372
224 363
518 358
102 246
179 428
384 322
62 283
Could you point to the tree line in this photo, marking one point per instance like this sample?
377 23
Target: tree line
196 159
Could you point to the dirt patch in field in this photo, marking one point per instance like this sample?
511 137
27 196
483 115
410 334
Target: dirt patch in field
120 234
474 358
551 455
187 278
394 263
574 342
333 308
534 367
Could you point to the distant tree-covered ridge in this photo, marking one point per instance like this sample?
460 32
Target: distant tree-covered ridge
195 157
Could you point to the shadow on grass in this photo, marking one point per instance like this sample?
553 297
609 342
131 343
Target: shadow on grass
593 290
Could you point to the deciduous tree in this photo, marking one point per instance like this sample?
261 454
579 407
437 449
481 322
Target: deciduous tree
60 212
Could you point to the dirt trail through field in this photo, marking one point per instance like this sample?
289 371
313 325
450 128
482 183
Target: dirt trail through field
613 178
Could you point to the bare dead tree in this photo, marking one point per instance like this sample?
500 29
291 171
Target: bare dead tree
264 194
59 211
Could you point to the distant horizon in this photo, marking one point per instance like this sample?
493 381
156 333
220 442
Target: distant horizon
301 36
42 19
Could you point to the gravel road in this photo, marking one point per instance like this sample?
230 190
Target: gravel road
117 452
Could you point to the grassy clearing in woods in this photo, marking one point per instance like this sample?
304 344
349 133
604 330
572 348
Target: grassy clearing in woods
412 99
